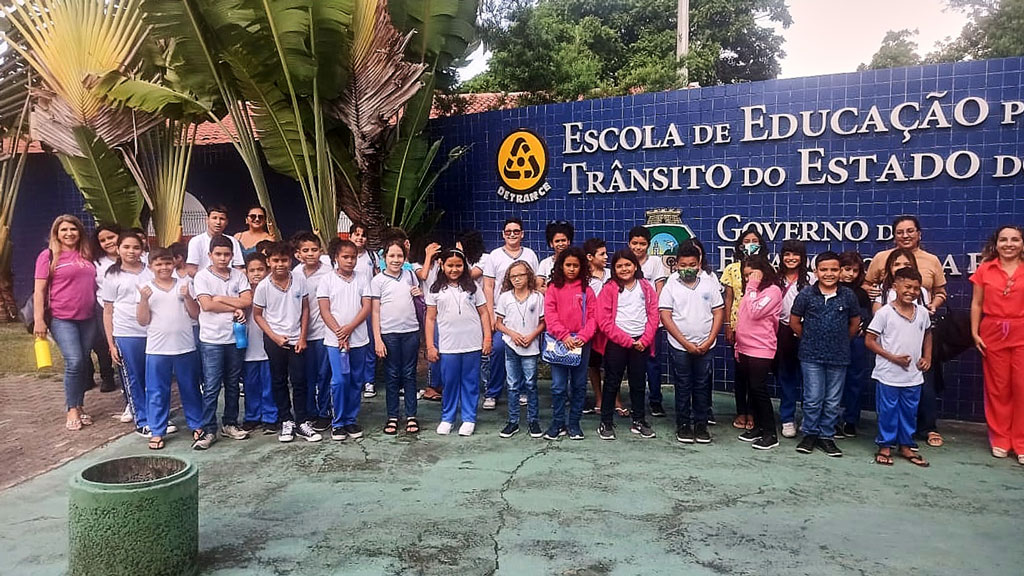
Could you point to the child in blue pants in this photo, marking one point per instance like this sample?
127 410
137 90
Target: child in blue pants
318 368
459 310
166 309
344 307
260 408
520 314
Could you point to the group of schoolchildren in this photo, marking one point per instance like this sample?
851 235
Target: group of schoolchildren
303 340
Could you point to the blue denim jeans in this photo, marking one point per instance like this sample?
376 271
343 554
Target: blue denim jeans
496 378
222 367
400 371
654 367
691 378
857 374
787 373
522 379
823 389
571 381
460 374
74 339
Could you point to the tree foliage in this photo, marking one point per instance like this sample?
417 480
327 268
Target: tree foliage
898 49
560 50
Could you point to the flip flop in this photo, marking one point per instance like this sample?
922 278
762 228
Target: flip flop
156 443
86 420
431 395
934 439
622 412
883 459
739 422
74 425
916 459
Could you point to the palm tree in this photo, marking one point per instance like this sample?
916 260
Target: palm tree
15 79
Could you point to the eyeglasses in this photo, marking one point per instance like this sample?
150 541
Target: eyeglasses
516 232
256 216
909 232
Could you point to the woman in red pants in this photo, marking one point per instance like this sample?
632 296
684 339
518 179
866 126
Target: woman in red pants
997 325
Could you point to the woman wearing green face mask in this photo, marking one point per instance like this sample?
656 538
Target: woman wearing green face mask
749 244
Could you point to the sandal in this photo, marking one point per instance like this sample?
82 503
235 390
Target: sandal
750 422
412 426
73 425
915 459
621 411
934 439
739 422
86 419
391 426
156 443
883 458
431 394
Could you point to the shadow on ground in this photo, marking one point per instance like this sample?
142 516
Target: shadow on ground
484 505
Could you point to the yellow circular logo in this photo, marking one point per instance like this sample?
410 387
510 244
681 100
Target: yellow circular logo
522 161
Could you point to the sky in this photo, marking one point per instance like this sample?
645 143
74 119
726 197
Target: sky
832 36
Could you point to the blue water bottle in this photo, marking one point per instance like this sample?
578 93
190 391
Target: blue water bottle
241 336
343 361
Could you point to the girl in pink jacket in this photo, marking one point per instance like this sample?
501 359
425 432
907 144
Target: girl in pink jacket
570 314
757 327
628 316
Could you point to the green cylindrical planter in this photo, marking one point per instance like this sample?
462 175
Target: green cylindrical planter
134 515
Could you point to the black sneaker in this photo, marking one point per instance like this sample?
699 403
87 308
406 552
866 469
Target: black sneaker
806 445
534 428
509 430
554 432
575 432
249 426
606 431
321 424
850 430
712 420
828 446
339 434
354 431
765 443
642 428
839 432
750 435
657 410
270 429
684 433
701 435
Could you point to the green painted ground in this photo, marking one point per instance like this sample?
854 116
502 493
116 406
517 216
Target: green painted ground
483 505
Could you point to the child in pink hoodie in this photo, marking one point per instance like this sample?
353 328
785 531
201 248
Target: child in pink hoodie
756 340
570 311
628 317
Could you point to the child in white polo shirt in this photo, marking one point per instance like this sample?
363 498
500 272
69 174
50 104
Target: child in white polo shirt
260 407
344 307
167 309
900 336
282 312
314 269
520 312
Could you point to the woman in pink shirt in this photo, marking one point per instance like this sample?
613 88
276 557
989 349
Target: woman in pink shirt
757 325
66 276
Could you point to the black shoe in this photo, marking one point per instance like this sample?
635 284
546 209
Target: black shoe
270 429
765 443
839 432
712 420
509 430
642 428
534 428
684 433
108 385
339 434
828 446
354 431
850 430
249 426
321 424
702 436
806 446
606 431
657 410
750 435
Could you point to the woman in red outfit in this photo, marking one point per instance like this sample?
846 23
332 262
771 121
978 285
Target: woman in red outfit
997 325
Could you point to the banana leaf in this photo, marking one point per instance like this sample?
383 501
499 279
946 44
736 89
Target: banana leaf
107 186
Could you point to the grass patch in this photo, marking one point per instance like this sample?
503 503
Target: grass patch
19 355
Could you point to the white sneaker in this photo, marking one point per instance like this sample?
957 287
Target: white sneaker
444 428
369 391
233 432
467 429
306 431
287 431
490 403
522 400
171 428
127 415
788 430
999 452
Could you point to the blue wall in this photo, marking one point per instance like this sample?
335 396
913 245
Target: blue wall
956 215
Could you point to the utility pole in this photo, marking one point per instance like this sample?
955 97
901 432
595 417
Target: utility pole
683 37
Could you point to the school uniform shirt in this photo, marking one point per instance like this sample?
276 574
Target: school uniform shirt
596 283
397 312
545 267
425 285
631 315
316 330
692 308
72 285
899 335
826 324
122 291
499 261
282 308
191 289
522 316
218 327
255 351
169 332
481 265
654 269
366 265
789 292
458 321
199 251
346 299
102 265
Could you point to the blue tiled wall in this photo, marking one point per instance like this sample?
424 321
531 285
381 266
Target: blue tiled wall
956 215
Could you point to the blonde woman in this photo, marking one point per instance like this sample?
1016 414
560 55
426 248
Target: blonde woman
65 284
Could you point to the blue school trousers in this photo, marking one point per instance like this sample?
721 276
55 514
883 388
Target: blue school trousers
318 380
460 376
857 373
346 387
259 396
133 374
897 414
497 377
185 367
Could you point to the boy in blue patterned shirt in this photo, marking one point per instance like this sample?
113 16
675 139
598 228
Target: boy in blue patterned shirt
824 316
